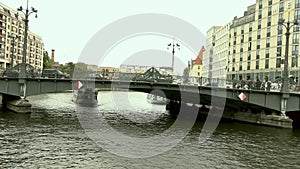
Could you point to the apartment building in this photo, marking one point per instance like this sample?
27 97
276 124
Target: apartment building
216 56
12 28
208 54
258 41
195 66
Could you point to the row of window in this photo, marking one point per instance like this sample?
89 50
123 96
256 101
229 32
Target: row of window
279 62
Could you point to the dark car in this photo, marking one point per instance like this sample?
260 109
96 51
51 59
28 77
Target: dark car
96 76
54 73
10 73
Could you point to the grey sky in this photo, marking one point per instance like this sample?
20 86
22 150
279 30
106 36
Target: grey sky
67 25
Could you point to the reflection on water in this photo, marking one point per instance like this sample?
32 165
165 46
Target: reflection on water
52 137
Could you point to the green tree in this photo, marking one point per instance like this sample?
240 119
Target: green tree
68 67
47 62
80 67
186 75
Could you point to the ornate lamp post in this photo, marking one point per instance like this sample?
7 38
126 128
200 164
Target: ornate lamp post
13 37
26 12
285 85
173 46
288 25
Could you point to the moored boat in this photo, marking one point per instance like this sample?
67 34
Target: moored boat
85 97
155 99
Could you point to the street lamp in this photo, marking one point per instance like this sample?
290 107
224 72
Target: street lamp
26 12
173 45
13 37
288 25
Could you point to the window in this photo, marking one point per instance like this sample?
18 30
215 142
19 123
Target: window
249 56
249 46
279 40
268 32
296 38
297 3
241 49
241 66
250 27
269 21
257 64
296 28
295 50
258 44
241 57
259 24
268 42
267 53
257 54
279 29
281 6
278 62
242 39
270 11
280 16
242 29
258 34
250 36
260 4
279 51
248 65
297 14
267 64
270 2
295 61
259 14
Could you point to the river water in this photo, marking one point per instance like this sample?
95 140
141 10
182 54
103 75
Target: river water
53 137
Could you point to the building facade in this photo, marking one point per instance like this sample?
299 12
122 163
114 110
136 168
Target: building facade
195 66
216 56
258 41
209 53
12 28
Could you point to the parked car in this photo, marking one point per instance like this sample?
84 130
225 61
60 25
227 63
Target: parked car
96 76
54 73
10 73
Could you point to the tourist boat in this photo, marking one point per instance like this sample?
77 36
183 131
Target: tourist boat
85 97
154 99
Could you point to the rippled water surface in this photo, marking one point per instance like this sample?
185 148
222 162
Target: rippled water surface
52 137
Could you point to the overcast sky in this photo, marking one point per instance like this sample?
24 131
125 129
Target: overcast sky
67 25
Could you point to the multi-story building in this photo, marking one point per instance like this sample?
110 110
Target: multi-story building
209 53
12 25
109 72
216 55
258 41
195 66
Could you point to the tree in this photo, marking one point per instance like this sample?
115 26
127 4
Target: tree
68 67
81 67
186 73
47 62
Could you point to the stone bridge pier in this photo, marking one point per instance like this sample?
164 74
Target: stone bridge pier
15 103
